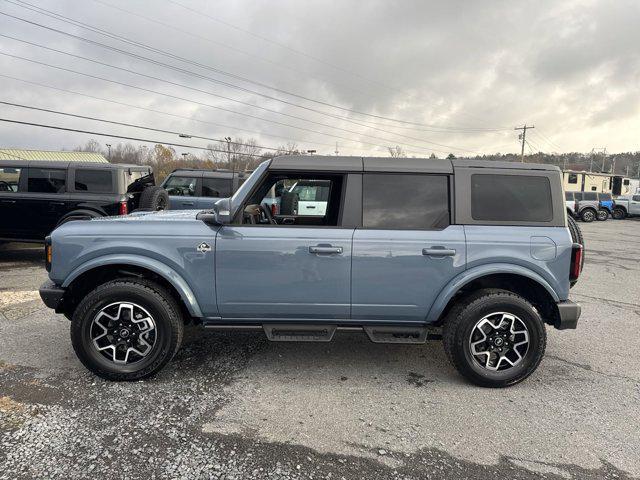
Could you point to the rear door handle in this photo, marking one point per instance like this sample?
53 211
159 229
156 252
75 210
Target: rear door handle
439 252
56 203
7 201
325 249
188 204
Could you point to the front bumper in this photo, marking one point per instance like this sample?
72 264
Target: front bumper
52 295
568 315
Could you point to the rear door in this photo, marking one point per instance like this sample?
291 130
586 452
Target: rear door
14 223
213 189
183 190
47 200
406 250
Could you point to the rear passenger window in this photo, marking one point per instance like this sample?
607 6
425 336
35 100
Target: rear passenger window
604 197
511 198
9 179
590 196
94 181
216 187
181 186
409 202
47 180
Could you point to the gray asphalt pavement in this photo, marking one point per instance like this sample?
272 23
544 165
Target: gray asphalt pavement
236 406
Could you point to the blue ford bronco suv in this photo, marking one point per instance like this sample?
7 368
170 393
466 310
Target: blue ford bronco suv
477 253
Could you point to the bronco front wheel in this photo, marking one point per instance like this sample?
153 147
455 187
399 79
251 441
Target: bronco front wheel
126 329
494 338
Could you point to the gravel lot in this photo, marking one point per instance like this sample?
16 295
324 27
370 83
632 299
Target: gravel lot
236 406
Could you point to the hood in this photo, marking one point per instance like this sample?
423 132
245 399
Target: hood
164 215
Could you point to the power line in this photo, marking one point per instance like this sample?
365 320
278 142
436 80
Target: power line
62 18
122 137
547 139
235 100
123 124
219 82
175 115
209 105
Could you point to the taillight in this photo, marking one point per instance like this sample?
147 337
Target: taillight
576 261
575 207
48 253
274 209
124 208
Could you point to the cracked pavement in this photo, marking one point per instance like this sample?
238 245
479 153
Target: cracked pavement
236 406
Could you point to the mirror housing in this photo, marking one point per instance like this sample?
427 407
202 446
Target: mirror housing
210 217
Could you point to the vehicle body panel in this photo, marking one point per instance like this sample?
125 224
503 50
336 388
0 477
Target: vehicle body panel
269 272
393 280
142 240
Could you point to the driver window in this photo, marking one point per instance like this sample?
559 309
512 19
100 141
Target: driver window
292 200
181 186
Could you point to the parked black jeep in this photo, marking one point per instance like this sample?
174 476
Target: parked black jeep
38 196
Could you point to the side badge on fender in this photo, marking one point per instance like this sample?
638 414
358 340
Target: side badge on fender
204 247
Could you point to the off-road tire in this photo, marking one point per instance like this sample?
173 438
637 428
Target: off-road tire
618 214
588 215
602 215
149 295
463 317
289 203
153 199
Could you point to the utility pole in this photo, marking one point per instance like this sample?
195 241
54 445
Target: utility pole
232 165
523 137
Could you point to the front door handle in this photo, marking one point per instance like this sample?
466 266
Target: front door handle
439 252
56 203
7 201
188 204
325 249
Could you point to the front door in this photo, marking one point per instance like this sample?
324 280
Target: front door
406 251
285 267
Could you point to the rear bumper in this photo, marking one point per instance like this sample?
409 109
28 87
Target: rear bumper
52 295
568 315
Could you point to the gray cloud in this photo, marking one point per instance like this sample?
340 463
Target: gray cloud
572 68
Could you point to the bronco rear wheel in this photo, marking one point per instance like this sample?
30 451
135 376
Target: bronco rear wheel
494 338
126 329
603 214
588 215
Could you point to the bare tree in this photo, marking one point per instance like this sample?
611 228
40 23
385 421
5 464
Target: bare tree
396 152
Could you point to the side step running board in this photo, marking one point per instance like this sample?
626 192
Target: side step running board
389 334
299 333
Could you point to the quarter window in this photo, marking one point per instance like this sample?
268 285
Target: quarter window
9 179
568 196
216 187
47 180
94 181
181 186
409 202
511 198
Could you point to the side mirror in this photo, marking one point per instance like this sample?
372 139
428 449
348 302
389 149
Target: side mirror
209 217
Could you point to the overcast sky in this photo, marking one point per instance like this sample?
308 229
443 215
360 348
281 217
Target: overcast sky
433 76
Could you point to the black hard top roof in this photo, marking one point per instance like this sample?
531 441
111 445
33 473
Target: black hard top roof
219 173
393 165
88 165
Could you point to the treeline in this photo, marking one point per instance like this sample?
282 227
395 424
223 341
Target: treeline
245 154
240 154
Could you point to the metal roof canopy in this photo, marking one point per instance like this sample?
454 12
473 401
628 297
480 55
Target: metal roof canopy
67 164
51 155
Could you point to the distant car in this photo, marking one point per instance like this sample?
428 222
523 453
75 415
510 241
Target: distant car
38 196
570 203
606 204
587 206
626 206
193 189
